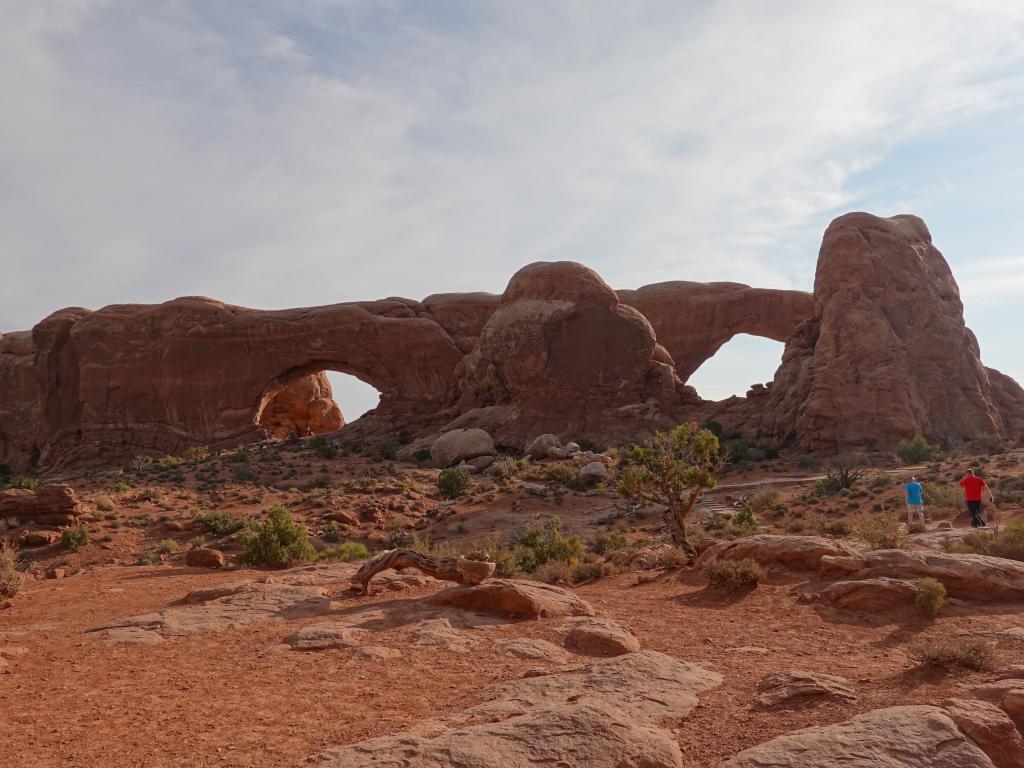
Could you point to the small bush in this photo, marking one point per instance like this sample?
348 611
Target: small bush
764 499
880 531
240 456
954 652
196 453
611 541
743 522
504 557
278 542
10 578
422 455
1007 543
332 532
804 461
987 445
346 553
121 487
452 482
554 572
880 482
148 558
671 557
540 544
167 546
425 546
28 483
916 450
931 597
104 505
75 538
732 574
563 474
943 495
218 523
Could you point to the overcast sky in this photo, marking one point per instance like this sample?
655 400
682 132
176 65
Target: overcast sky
299 152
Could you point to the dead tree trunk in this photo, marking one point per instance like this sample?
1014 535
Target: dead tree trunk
471 569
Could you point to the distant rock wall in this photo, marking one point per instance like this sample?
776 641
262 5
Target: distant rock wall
878 353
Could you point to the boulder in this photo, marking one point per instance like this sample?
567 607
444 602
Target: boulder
976 577
535 649
600 637
51 505
796 552
330 634
895 737
988 727
539 447
460 445
303 406
38 538
512 597
870 595
593 473
797 686
203 557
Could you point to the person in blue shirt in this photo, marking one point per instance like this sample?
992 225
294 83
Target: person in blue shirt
914 492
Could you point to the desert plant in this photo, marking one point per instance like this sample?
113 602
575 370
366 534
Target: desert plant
75 538
504 556
1008 542
953 652
743 521
240 456
196 453
27 483
10 578
987 445
880 531
452 482
542 543
942 495
346 553
166 546
609 541
843 474
765 498
930 597
880 482
278 542
332 532
217 523
733 575
916 450
673 469
121 487
554 572
426 546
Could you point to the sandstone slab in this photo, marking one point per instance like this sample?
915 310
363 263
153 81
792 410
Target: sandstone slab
600 637
515 598
796 552
797 686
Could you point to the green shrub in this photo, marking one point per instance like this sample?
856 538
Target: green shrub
240 456
954 652
931 596
75 538
880 531
346 553
10 578
916 450
554 572
196 453
332 532
943 495
611 541
542 543
148 558
880 482
28 483
987 445
1008 542
743 521
422 455
121 487
278 542
733 575
452 482
503 556
217 523
104 505
166 547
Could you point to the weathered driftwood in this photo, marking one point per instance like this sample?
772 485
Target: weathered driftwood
471 569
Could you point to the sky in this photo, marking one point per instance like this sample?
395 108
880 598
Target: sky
278 154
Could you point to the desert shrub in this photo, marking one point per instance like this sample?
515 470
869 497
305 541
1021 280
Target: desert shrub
609 541
75 538
166 547
504 470
987 445
426 546
554 572
422 455
942 495
880 531
325 450
28 483
506 564
931 596
880 482
121 487
196 453
240 456
732 574
277 542
1009 542
714 428
954 652
836 527
543 543
10 578
743 522
671 558
673 469
737 451
842 475
217 523
564 474
104 505
916 526
148 558
452 482
765 498
245 474
346 553
332 532
804 461
916 450
586 444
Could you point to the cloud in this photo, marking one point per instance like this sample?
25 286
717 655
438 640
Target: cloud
318 151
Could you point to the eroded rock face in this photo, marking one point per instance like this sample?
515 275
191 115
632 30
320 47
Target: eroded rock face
887 354
51 505
797 552
304 406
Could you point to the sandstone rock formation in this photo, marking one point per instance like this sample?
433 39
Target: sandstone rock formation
49 505
797 686
878 353
887 354
513 597
896 737
797 552
304 406
600 637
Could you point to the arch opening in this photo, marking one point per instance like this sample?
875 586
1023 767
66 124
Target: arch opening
311 400
738 364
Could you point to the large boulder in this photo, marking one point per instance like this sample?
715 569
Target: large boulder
303 406
513 597
459 445
988 727
896 737
600 637
796 552
870 595
798 686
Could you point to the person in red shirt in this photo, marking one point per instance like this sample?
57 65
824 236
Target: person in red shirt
974 487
